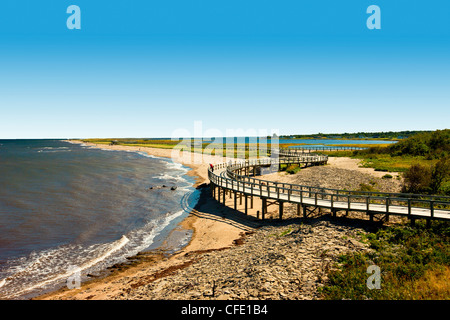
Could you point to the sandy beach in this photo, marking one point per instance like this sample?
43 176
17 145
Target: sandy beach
215 228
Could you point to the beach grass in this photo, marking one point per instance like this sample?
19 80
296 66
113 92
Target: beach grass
290 169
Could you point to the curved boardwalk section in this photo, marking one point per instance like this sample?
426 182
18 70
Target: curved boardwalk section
239 178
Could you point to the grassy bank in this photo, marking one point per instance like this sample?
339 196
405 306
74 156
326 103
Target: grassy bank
384 162
423 158
414 264
424 148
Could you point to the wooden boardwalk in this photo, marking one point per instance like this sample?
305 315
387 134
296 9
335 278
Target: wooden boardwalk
288 152
239 177
299 151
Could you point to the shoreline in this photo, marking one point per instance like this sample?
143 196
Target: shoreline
207 234
213 226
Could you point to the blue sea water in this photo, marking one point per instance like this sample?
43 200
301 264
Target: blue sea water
67 206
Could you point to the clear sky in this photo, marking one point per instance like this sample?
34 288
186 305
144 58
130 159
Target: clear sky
146 68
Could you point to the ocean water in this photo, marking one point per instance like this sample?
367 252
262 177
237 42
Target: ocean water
68 208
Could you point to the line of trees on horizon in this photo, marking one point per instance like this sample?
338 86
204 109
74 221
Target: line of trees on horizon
359 135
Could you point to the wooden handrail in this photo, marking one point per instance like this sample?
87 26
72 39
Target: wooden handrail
287 191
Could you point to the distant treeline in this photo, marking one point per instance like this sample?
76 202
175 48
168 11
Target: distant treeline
394 135
430 144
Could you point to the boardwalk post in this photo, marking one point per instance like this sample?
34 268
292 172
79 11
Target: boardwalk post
432 208
280 205
235 200
387 205
246 206
298 209
264 208
224 196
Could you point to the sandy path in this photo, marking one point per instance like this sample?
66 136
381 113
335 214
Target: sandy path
354 164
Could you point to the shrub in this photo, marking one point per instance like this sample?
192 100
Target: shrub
428 179
433 144
417 179
414 263
386 176
440 172
366 187
293 168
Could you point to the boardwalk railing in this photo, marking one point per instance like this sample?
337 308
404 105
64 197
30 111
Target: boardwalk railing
294 149
265 150
298 151
411 205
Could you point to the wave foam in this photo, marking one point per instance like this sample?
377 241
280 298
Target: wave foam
41 265
177 166
54 149
51 267
165 176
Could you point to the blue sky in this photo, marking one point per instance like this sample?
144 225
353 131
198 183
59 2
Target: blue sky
148 68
